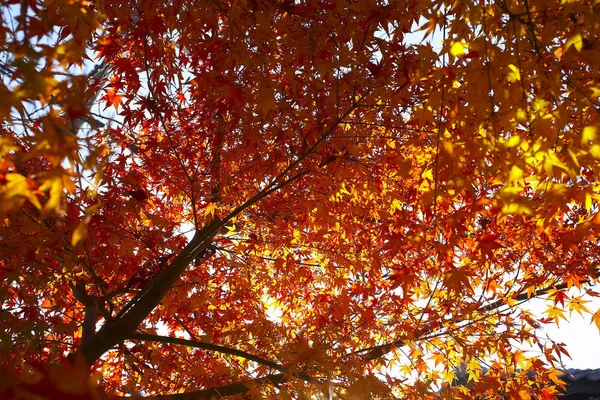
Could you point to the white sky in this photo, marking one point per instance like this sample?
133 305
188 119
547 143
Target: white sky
579 334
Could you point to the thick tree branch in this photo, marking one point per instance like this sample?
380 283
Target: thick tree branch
93 306
116 330
140 306
137 309
372 353
224 350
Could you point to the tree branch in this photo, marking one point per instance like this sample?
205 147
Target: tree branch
95 77
138 308
225 350
224 391
379 351
115 331
208 346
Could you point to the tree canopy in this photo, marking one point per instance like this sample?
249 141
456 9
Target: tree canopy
345 199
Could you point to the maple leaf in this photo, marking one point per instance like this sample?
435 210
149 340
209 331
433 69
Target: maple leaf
555 313
458 280
488 243
138 194
112 99
596 319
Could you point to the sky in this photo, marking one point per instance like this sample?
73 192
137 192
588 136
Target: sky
581 336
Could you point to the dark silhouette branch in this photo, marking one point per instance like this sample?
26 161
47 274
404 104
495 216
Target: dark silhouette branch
229 351
222 350
93 306
226 390
372 353
379 351
138 308
116 330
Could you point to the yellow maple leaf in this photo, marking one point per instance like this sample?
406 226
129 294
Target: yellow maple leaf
514 74
575 40
555 313
56 182
588 134
457 49
17 189
596 319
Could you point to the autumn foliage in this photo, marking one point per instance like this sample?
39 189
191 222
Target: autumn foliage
345 199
